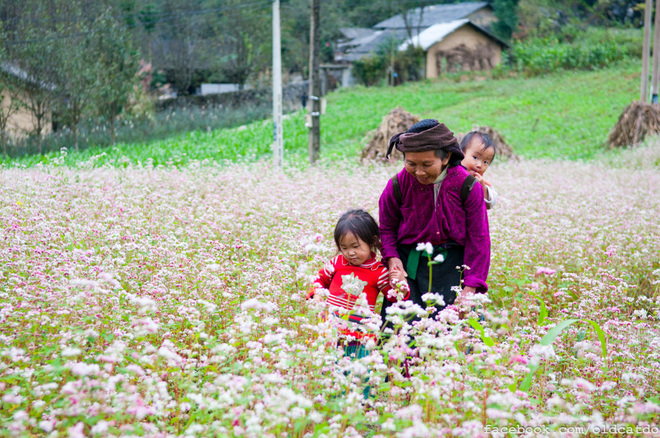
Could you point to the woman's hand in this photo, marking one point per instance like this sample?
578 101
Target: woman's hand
395 264
470 289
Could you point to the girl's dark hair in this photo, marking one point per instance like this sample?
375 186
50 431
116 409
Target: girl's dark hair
477 136
361 224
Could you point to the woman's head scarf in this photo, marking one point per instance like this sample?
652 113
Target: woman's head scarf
426 135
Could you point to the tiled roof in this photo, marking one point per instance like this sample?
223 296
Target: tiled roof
433 14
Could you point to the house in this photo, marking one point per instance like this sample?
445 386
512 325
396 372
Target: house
453 36
20 121
459 45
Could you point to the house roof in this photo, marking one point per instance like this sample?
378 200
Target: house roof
433 14
355 32
360 47
17 72
438 32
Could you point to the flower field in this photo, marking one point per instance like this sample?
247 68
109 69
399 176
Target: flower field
171 302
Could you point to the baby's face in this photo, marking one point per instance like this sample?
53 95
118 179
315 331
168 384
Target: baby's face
476 158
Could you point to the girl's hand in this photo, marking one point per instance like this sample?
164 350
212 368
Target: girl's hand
397 276
470 289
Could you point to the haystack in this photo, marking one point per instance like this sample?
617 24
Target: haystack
398 120
501 147
638 120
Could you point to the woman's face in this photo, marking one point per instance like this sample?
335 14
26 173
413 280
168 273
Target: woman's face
425 166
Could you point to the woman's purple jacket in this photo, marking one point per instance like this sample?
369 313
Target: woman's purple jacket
416 221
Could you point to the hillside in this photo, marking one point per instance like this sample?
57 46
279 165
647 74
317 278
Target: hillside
567 114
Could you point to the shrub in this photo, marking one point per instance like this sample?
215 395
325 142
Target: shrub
370 70
538 56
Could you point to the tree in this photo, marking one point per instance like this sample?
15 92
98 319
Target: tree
37 60
412 14
245 34
77 69
117 67
180 38
8 99
507 18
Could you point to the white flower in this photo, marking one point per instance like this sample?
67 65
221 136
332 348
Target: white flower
435 299
254 303
439 258
425 247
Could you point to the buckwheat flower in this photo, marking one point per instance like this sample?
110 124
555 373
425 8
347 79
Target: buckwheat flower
449 315
254 303
316 416
194 429
439 258
539 352
412 412
171 356
47 425
100 427
135 369
641 313
68 352
607 386
433 298
547 271
389 425
83 369
645 408
519 359
109 278
627 377
427 247
139 409
76 431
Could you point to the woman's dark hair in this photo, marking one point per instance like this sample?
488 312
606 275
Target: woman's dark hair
422 126
361 224
477 136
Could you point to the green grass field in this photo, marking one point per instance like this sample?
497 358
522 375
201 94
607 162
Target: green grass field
563 115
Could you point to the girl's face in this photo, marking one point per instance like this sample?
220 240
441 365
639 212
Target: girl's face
476 158
425 166
354 249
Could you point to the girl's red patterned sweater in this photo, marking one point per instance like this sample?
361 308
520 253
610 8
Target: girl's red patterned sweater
373 272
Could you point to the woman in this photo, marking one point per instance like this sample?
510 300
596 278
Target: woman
429 208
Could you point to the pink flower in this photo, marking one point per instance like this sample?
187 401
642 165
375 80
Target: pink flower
519 359
547 271
76 431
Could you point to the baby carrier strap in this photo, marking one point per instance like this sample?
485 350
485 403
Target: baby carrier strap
468 183
466 188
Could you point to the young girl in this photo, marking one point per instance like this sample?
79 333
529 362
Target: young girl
479 153
357 238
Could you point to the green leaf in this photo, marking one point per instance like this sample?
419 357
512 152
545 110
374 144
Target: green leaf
550 337
601 336
486 339
552 334
543 312
526 384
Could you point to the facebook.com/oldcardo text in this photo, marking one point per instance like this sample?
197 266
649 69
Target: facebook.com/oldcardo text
592 429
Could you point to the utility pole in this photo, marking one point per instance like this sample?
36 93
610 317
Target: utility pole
646 47
656 52
315 84
278 133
